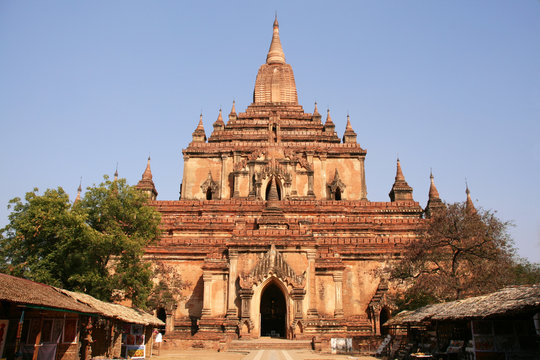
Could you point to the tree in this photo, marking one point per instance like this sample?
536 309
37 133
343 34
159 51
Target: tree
167 291
459 252
95 245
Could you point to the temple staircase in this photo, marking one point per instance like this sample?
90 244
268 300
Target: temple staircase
267 343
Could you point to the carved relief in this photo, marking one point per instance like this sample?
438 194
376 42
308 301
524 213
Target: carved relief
336 187
298 158
272 263
274 169
210 187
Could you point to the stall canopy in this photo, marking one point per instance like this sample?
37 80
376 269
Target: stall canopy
508 301
36 295
116 311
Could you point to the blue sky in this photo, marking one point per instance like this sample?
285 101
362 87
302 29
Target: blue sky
448 85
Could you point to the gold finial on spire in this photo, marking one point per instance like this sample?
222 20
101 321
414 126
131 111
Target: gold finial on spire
275 53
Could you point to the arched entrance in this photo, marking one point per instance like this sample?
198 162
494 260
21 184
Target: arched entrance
162 315
273 311
384 316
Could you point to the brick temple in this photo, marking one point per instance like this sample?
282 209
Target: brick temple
273 232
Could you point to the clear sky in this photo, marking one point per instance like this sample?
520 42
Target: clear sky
448 85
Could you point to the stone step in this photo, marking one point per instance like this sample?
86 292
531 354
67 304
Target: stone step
265 343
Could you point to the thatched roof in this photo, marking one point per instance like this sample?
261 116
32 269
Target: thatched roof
417 316
116 311
26 292
31 293
510 300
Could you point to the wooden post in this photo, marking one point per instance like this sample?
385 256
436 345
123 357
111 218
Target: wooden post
38 338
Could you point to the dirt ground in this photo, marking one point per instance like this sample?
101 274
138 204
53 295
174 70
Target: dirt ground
172 354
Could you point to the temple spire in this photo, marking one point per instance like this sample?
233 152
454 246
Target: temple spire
349 136
469 205
433 193
434 202
275 53
219 124
400 190
232 115
116 173
316 115
79 190
147 175
399 172
329 124
199 135
146 184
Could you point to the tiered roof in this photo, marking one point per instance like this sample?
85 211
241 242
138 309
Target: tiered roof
274 117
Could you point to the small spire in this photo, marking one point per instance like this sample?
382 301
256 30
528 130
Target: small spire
434 203
147 175
146 184
275 53
79 190
233 110
348 127
199 135
433 193
469 205
315 111
200 126
349 136
399 173
219 124
400 190
328 119
116 173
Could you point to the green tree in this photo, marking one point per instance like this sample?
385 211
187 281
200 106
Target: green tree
95 245
459 252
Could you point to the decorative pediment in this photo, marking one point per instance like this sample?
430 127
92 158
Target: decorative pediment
299 159
336 183
273 168
380 298
209 183
272 263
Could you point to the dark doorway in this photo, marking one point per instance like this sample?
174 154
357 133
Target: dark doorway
384 317
338 194
162 315
209 194
273 311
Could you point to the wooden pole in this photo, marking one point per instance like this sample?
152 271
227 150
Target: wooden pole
38 338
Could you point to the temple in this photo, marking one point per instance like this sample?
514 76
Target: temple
273 234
